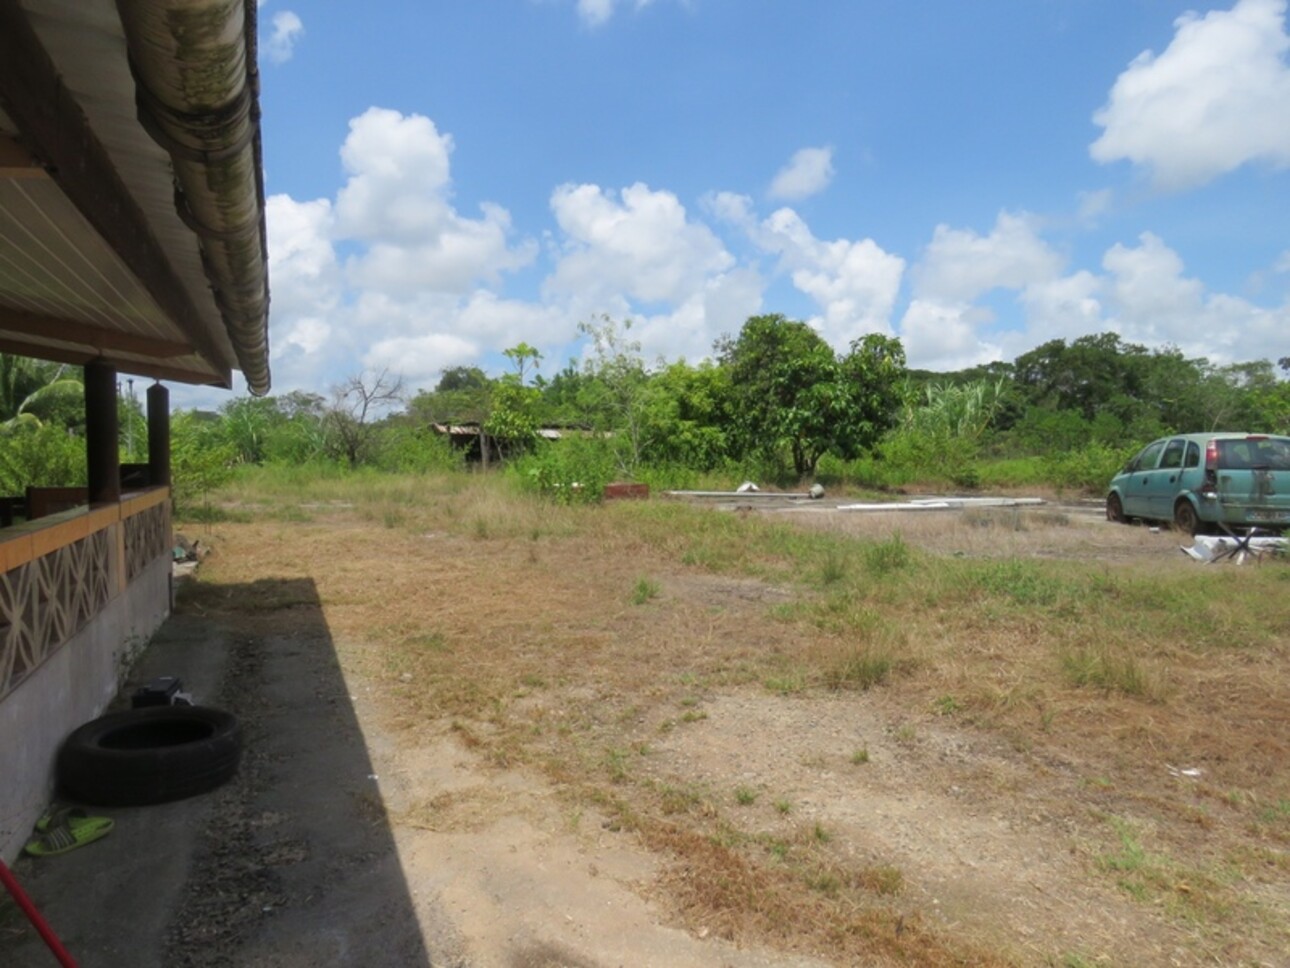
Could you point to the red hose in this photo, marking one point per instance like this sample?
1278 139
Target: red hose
34 916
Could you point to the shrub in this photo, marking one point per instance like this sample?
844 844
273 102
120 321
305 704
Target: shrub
44 455
414 450
570 471
1089 468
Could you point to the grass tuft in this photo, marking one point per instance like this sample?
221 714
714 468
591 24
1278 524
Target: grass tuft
857 667
1101 668
646 590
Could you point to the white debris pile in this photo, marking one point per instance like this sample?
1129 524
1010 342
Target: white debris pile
1211 548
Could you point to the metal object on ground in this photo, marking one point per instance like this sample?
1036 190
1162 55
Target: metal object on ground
1209 549
742 495
946 504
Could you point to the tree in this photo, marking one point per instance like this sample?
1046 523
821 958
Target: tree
34 391
873 372
523 357
300 434
512 421
563 395
248 424
41 454
354 403
613 395
1093 374
513 409
685 413
461 378
790 390
201 460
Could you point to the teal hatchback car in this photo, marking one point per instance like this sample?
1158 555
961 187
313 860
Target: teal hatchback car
1204 482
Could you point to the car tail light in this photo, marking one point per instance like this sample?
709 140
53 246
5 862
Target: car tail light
1209 486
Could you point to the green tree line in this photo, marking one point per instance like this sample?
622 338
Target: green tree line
774 403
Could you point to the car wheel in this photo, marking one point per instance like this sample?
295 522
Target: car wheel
1186 519
149 755
1115 509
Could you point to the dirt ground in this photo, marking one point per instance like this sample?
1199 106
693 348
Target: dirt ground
452 851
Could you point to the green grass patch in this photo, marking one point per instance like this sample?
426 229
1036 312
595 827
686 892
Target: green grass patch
1102 667
1018 582
646 590
857 667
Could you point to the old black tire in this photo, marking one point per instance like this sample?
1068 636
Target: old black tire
1186 519
149 755
1114 509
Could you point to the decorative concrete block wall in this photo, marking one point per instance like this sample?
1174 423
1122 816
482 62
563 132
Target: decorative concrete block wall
80 594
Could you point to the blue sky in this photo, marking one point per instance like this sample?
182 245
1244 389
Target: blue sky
447 179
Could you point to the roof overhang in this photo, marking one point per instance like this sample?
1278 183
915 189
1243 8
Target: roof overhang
131 188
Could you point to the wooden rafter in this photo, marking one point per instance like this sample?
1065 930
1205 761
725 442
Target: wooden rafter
76 357
17 162
95 337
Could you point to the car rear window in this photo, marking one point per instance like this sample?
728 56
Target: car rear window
1255 453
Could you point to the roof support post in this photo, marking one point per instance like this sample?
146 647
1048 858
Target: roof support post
158 435
102 448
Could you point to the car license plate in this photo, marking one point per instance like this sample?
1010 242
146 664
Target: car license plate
1279 517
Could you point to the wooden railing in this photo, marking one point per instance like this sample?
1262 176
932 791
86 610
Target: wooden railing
58 572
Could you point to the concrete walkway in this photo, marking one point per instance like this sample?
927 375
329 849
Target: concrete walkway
291 863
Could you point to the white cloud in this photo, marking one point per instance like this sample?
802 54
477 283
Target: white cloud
943 336
1148 287
640 244
423 287
309 334
287 30
1143 293
1063 308
854 283
1153 302
407 297
728 301
398 177
807 173
304 275
1216 99
945 327
397 199
420 359
733 208
418 337
596 12
959 265
722 306
1093 205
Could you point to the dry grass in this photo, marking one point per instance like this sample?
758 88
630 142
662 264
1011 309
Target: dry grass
1097 655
